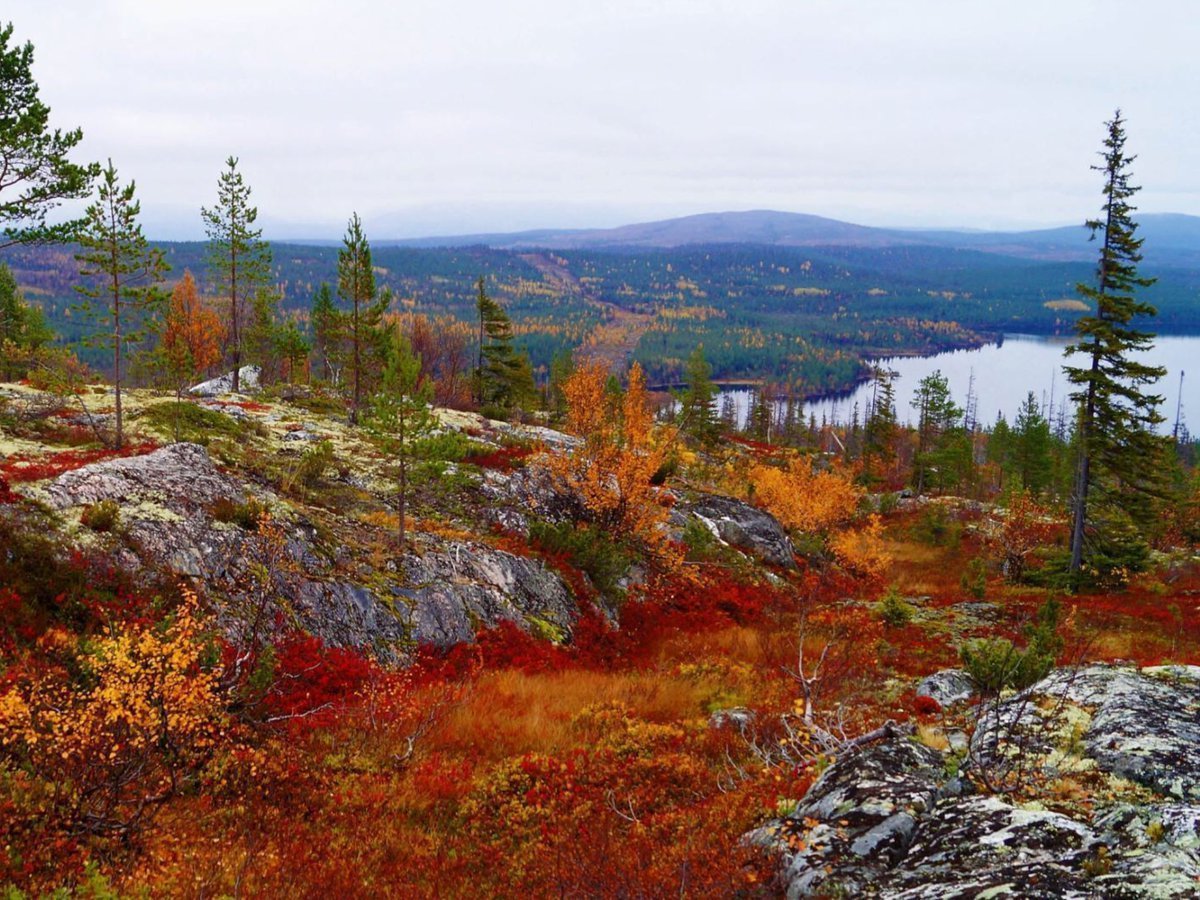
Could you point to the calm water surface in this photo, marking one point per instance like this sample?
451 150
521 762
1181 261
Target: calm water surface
1005 373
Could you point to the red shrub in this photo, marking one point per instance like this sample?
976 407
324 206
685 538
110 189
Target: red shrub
926 706
23 467
313 682
504 459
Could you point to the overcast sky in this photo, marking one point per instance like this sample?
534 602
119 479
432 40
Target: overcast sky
452 116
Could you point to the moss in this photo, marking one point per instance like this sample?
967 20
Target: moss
546 630
196 424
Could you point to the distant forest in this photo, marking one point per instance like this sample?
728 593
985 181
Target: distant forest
807 316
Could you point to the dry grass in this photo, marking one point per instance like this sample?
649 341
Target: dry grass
511 712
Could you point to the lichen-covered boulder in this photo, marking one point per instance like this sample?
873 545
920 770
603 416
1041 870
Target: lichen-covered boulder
947 687
742 526
890 821
456 590
248 380
857 820
1140 725
986 847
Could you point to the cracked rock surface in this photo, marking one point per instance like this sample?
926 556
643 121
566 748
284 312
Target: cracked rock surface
891 820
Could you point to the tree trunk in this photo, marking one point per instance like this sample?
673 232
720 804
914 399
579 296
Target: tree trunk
234 336
402 503
116 286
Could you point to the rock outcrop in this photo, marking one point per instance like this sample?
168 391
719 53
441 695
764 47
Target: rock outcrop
740 525
167 500
896 819
248 380
467 585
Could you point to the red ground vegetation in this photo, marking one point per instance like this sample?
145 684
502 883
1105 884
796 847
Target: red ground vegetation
23 467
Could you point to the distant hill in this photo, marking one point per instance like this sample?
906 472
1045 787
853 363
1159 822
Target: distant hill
763 227
1172 239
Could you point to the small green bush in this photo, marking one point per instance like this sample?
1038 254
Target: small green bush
935 527
102 516
590 550
974 579
190 422
894 610
994 664
888 503
314 462
702 545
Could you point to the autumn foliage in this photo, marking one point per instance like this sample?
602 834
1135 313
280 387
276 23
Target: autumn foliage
610 474
825 504
192 333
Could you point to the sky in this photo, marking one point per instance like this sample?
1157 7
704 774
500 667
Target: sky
460 116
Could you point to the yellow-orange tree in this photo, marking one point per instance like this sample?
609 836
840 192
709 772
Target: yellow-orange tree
609 475
110 737
825 504
191 340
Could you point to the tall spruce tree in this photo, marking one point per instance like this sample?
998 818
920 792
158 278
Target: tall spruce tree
122 273
35 174
504 377
938 417
1030 447
698 401
239 260
882 428
1117 447
328 325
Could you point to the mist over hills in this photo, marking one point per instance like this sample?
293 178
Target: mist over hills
1172 239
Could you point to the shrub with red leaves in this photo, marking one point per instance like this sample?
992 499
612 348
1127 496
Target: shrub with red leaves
313 682
24 467
926 706
504 459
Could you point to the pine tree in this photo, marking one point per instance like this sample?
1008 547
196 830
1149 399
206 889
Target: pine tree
1117 447
399 417
240 261
356 284
35 174
123 272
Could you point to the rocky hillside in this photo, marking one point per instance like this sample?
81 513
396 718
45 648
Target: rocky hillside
759 698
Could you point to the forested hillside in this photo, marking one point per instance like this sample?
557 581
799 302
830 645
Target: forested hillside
806 316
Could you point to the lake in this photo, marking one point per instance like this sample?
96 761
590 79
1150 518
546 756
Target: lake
1004 374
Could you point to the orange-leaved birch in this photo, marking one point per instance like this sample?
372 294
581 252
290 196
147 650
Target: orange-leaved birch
610 473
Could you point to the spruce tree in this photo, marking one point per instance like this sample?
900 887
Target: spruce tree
698 401
882 429
937 418
1030 447
238 258
328 333
504 377
35 174
1117 447
122 273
